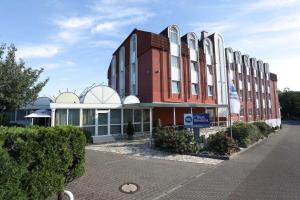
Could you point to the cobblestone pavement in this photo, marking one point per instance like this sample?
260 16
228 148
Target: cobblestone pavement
269 170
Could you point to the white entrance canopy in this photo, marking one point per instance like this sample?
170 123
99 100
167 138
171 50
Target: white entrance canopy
39 114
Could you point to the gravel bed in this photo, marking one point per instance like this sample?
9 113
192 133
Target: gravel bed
140 149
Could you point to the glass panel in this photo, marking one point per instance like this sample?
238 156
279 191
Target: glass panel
137 128
102 130
61 117
146 115
90 129
146 127
102 118
137 116
175 87
115 129
127 116
21 115
88 117
74 117
11 115
194 89
115 116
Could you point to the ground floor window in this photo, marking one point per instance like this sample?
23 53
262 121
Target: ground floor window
88 121
61 117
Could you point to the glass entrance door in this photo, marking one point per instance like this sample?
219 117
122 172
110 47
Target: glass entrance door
102 122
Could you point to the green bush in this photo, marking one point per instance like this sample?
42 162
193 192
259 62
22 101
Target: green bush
263 127
42 159
245 133
221 144
181 142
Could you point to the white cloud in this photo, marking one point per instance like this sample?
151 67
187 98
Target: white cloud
68 36
75 22
38 51
280 23
221 26
270 4
102 27
105 43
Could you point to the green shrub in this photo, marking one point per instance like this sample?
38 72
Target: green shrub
221 144
263 127
245 133
88 136
51 158
181 142
11 177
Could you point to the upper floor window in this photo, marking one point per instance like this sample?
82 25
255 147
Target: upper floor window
174 35
113 72
133 65
122 72
194 78
175 73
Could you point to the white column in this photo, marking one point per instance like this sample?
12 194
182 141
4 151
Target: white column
53 117
80 117
122 121
151 136
191 110
174 116
108 122
96 123
142 121
67 116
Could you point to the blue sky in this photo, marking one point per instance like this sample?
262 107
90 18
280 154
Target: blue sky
74 40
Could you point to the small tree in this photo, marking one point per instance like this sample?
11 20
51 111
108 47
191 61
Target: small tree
130 130
18 85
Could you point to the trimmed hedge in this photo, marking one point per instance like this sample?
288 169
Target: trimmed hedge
39 161
181 142
245 133
264 128
221 144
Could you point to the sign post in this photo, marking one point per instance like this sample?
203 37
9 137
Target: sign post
196 121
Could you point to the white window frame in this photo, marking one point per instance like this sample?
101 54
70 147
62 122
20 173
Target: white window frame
122 72
113 73
175 50
133 54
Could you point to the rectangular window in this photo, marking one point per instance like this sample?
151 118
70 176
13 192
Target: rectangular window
242 112
257 111
194 89
250 112
61 117
174 37
175 73
249 95
88 117
210 90
194 77
73 118
240 77
175 87
241 94
209 69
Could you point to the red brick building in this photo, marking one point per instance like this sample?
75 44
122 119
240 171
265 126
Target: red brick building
174 74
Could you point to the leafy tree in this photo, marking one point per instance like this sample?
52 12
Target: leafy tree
290 104
19 85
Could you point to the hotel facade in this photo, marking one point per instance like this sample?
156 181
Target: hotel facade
163 76
173 74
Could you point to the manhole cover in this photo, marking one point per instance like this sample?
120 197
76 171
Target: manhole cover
129 188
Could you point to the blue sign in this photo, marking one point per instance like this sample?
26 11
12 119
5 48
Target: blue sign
196 120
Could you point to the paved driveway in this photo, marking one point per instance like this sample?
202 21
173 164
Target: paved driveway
107 171
269 170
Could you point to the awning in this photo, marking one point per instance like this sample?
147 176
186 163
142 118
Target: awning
40 114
